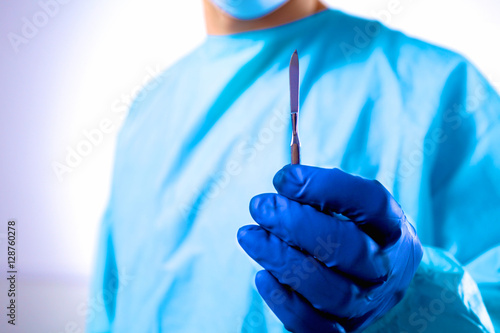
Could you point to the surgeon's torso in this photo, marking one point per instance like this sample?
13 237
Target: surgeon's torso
212 134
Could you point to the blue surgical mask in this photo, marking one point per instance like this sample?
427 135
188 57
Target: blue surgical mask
248 9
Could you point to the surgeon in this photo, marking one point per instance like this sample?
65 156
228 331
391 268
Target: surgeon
390 224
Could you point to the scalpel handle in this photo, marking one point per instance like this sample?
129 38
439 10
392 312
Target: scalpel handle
295 144
295 148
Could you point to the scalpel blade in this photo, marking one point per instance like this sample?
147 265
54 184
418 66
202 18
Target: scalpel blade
294 82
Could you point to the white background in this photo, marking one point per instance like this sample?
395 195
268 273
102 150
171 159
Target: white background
87 58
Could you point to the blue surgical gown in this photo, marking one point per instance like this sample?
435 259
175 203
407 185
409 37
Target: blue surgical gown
211 131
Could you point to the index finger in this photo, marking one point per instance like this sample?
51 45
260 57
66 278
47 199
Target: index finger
365 202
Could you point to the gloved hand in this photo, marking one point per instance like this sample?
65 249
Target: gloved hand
337 249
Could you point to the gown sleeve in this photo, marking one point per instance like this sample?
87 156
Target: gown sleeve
457 286
108 278
104 283
442 297
466 181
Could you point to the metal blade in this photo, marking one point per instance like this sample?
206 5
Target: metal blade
294 82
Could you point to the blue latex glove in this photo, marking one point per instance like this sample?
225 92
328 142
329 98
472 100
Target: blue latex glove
326 272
